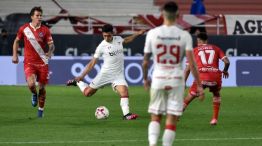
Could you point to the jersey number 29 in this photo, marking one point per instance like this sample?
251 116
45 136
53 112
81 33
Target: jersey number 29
173 51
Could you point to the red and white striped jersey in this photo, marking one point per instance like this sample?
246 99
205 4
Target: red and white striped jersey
35 41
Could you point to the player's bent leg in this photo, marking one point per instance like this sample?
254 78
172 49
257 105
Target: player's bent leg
154 129
192 94
170 130
187 100
88 91
32 87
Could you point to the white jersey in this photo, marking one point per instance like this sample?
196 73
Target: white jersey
112 54
167 45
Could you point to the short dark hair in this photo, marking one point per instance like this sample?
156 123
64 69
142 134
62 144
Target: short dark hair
39 9
170 7
107 28
202 36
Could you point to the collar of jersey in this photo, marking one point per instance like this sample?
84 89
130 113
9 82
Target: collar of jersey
34 27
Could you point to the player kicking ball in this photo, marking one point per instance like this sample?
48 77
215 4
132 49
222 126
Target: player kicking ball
112 71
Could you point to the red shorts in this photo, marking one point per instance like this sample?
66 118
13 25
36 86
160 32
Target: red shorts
211 81
40 70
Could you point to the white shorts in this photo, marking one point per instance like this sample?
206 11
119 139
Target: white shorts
166 101
103 79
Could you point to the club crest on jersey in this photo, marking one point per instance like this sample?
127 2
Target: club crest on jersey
41 34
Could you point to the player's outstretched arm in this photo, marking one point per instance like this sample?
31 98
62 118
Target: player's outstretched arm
15 48
226 66
145 66
87 69
194 70
130 38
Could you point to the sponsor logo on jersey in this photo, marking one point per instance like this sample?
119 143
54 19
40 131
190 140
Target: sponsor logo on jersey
208 69
169 38
114 53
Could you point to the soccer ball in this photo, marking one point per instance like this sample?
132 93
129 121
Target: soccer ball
101 112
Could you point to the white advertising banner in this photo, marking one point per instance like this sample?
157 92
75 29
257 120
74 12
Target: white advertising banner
243 24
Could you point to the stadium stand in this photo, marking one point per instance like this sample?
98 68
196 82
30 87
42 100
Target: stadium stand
221 6
215 7
115 11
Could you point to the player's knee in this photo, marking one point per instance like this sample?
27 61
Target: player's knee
216 94
89 92
31 85
156 118
217 99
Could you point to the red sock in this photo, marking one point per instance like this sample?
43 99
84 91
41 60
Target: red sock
187 102
42 95
216 107
171 127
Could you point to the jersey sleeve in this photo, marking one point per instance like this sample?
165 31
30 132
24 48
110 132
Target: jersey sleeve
221 54
188 42
98 52
20 33
119 38
148 43
48 36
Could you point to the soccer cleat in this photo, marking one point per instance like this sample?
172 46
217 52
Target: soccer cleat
71 82
40 113
213 122
34 100
130 116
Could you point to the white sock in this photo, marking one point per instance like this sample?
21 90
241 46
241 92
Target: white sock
39 108
82 85
153 132
124 103
168 137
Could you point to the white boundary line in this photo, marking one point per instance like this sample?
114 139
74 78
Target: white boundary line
118 141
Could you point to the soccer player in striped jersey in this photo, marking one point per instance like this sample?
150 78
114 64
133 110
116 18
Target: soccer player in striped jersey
36 56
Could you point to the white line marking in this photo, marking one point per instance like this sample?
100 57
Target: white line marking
118 141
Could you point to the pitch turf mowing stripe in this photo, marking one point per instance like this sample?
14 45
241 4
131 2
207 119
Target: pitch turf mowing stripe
108 141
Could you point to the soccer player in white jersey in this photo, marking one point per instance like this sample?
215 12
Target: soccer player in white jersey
36 37
112 71
168 45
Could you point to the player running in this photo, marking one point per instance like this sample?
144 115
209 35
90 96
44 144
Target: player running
207 59
35 37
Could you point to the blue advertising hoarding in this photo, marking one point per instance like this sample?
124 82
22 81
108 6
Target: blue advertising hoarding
243 71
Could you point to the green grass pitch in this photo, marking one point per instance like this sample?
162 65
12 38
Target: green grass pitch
69 119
